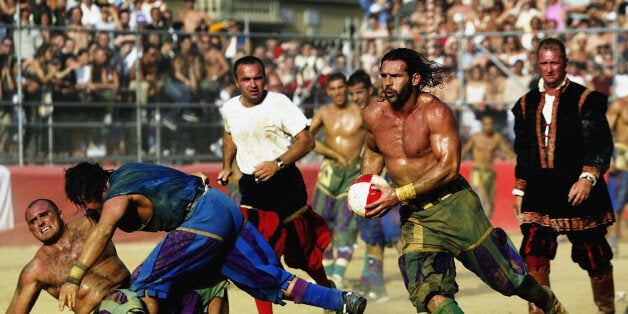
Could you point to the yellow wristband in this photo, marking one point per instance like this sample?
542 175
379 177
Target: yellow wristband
81 266
77 271
405 193
73 280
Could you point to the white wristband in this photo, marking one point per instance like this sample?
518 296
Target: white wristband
589 176
517 192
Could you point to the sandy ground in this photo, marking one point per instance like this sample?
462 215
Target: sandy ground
569 282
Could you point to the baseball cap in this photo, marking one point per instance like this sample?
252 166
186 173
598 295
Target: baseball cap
141 19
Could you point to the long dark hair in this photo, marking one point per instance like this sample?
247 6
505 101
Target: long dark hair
432 73
86 182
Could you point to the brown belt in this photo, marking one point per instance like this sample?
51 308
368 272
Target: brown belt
440 194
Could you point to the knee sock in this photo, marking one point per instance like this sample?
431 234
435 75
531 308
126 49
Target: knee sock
328 261
264 307
365 279
311 294
376 272
345 254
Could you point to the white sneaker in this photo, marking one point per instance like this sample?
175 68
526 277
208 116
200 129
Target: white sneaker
170 125
189 117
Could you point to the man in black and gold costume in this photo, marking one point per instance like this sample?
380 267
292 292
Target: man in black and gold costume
564 146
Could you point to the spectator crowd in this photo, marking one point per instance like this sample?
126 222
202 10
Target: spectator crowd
84 67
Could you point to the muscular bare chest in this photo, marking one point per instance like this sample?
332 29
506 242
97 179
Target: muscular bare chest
58 259
57 264
486 143
343 123
405 138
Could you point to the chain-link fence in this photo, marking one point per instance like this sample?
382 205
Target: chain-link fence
154 95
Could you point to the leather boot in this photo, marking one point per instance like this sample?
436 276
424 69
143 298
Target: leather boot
541 275
604 292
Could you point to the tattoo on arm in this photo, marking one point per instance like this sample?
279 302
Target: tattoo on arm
27 271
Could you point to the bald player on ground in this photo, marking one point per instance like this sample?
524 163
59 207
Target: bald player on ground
101 289
61 244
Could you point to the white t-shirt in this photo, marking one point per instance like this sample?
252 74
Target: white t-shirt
91 15
83 74
621 85
262 132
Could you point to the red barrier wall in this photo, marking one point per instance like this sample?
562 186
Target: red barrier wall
32 182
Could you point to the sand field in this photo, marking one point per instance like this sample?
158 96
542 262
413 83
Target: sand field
570 283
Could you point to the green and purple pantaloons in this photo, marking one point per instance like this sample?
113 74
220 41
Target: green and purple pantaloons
450 223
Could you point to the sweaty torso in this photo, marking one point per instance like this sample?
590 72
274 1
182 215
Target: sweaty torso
191 20
54 262
484 149
344 130
404 141
621 123
212 65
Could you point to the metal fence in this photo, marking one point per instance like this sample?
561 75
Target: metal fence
55 123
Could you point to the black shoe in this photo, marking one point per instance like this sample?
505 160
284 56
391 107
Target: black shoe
353 303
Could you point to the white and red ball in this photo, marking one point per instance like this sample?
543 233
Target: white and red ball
361 192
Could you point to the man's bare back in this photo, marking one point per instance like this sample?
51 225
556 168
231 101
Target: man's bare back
49 268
